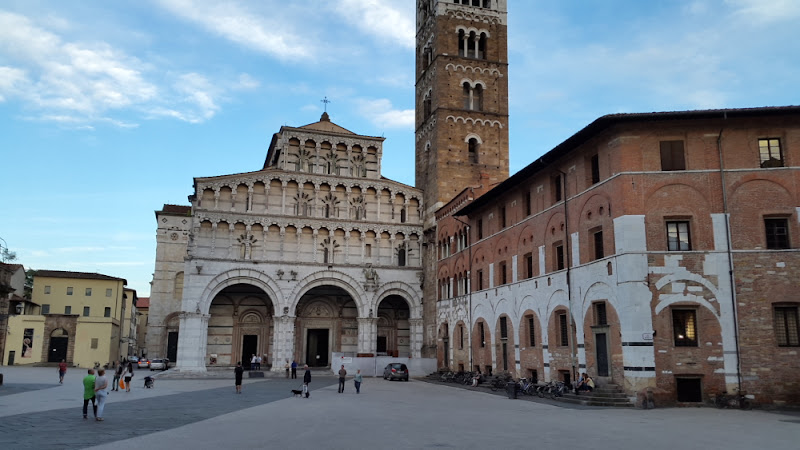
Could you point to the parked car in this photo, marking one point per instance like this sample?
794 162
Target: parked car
133 359
144 363
159 364
395 371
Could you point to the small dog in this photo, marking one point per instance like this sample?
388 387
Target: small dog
297 393
148 382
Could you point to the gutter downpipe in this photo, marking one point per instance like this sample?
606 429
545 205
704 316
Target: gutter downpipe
568 249
469 292
730 259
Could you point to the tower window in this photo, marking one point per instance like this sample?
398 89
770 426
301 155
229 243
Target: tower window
769 151
462 43
482 46
477 100
426 106
595 161
467 96
777 233
474 146
557 194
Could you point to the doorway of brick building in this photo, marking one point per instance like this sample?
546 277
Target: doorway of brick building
689 389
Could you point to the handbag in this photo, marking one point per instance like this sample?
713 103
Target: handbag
121 384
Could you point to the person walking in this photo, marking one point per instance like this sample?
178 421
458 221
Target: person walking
306 380
258 363
128 376
238 372
294 369
357 379
117 377
286 366
88 394
62 370
100 386
342 376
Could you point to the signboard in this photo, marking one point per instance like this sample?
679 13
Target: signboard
346 360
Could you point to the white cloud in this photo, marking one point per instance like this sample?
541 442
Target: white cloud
11 81
381 113
381 19
233 21
246 82
766 11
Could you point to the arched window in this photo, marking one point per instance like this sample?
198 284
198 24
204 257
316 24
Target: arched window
426 106
482 46
467 95
462 43
403 215
477 100
474 146
487 3
401 257
472 45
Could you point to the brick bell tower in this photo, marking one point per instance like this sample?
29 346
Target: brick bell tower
461 97
461 115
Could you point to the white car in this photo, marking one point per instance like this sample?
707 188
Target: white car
159 364
144 363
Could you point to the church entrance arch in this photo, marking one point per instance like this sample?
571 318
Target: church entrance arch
326 322
240 326
394 329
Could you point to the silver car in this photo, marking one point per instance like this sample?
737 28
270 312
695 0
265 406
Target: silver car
159 364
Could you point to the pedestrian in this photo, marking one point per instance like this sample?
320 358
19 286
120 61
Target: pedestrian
286 366
62 370
117 377
88 394
128 376
100 386
357 379
294 369
238 372
258 363
253 362
306 380
342 375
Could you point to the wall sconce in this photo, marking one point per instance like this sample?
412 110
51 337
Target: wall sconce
199 268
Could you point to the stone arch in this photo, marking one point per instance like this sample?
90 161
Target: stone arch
473 136
331 278
240 276
402 290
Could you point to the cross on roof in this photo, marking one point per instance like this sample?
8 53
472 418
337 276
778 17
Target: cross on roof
325 101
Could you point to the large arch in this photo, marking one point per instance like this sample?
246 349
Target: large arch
403 290
328 278
239 276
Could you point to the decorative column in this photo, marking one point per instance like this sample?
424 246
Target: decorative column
299 234
216 198
213 237
346 247
367 335
415 336
348 207
283 196
192 342
250 192
315 202
231 229
315 233
282 341
391 250
233 199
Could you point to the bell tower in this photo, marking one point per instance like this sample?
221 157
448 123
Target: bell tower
461 97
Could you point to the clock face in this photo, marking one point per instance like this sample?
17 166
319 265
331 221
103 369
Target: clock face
174 236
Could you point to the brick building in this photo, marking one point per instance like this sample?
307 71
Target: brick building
653 250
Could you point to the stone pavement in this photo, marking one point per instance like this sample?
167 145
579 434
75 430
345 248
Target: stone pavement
178 414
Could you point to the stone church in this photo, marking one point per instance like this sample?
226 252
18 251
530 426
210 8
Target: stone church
316 256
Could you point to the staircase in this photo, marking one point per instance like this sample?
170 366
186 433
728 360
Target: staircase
609 395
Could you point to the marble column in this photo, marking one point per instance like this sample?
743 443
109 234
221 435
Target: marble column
192 342
415 335
367 335
282 342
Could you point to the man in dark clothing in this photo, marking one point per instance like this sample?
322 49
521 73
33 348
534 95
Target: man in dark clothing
306 380
294 369
342 375
238 371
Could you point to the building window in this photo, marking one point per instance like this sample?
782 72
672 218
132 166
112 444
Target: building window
85 311
672 157
678 238
107 312
461 336
529 265
481 331
557 194
777 233
504 328
562 329
595 163
108 292
94 342
528 204
480 280
600 317
769 152
68 310
559 257
787 326
503 278
45 309
531 332
480 228
502 217
684 327
401 257
597 238
368 250
69 291
47 289
474 146
88 292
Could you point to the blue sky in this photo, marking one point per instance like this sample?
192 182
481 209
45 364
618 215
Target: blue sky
109 109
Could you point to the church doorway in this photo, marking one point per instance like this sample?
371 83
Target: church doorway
394 330
327 321
317 347
172 346
249 348
240 325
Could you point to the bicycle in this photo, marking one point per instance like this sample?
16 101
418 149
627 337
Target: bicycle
499 382
737 400
525 386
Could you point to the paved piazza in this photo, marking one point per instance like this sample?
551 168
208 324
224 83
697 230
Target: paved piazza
37 412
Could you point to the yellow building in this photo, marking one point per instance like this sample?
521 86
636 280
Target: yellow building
73 316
